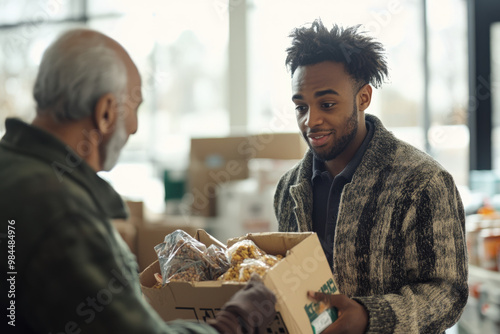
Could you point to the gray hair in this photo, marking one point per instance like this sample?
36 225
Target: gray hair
75 72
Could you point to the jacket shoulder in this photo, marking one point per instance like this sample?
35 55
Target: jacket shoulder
29 181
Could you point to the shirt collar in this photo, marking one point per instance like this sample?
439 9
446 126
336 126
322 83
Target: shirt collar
318 168
40 144
348 172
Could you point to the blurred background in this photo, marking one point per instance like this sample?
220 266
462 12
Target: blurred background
217 128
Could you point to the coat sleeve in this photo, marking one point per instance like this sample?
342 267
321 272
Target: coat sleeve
279 200
77 283
433 287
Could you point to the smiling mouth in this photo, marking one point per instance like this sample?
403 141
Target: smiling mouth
319 139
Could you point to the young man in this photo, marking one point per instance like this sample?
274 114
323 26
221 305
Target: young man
389 217
68 269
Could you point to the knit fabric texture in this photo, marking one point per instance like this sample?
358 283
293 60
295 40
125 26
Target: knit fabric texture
399 246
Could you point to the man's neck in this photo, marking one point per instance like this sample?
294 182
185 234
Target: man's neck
79 135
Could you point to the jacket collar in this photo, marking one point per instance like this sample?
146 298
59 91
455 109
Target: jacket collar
301 190
66 164
380 152
382 141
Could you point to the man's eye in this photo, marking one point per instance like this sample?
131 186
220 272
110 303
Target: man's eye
327 105
301 109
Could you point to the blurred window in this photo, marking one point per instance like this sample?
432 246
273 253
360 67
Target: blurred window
181 49
448 88
399 103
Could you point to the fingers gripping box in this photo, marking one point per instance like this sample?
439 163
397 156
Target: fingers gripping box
303 268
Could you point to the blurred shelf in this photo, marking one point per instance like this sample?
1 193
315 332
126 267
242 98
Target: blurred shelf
483 275
472 322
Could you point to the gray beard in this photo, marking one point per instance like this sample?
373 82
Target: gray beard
115 144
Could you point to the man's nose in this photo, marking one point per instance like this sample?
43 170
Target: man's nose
314 118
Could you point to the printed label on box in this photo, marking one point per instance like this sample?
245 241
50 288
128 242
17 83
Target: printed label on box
320 316
321 322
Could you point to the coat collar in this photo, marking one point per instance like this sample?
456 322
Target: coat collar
66 164
383 142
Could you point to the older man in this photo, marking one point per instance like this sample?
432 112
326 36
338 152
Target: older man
71 272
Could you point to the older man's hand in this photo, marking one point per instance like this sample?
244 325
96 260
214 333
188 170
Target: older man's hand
250 310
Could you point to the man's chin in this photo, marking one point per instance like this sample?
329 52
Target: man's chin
110 163
324 156
111 154
319 155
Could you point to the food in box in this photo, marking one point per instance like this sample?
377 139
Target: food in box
304 267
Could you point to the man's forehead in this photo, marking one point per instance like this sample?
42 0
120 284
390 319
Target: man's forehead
320 76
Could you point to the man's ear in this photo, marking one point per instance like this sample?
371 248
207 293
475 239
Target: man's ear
106 113
364 97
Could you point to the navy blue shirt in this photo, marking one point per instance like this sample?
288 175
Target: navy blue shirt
326 195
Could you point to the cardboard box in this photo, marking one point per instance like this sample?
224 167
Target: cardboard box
213 161
278 146
136 211
217 160
151 234
304 268
128 232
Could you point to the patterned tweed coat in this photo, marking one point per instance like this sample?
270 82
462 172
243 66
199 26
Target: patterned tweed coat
399 245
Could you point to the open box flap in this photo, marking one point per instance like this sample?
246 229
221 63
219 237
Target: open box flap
274 242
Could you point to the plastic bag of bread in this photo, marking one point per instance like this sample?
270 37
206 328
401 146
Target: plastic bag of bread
217 261
249 266
181 257
244 249
242 271
271 260
232 274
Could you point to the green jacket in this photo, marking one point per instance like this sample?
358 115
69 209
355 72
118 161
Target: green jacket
71 270
399 245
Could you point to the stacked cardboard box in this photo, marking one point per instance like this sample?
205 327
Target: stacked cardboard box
213 161
142 234
217 160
